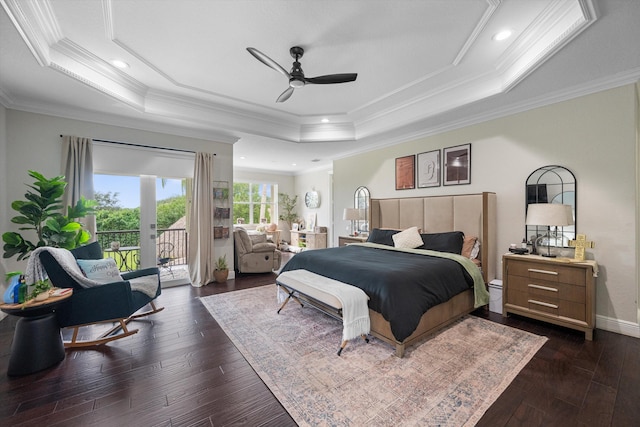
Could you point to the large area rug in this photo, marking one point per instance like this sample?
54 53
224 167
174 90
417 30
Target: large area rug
450 379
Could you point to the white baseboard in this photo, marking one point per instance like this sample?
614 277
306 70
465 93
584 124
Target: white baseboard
619 326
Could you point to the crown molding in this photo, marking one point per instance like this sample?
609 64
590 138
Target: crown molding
492 6
5 99
557 26
159 125
22 16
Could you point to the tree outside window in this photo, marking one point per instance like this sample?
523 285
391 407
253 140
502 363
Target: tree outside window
255 203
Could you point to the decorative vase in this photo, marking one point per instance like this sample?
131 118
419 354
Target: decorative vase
221 275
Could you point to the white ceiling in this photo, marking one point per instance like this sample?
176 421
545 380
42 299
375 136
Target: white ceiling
423 66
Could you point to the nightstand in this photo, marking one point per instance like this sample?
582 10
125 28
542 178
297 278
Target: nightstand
554 290
345 240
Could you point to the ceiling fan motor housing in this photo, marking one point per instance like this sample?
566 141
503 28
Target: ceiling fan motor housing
297 76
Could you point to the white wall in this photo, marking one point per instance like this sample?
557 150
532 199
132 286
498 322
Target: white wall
34 143
319 181
593 136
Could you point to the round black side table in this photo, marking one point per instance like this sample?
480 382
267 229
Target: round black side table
37 341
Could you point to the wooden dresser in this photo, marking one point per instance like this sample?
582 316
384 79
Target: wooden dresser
549 289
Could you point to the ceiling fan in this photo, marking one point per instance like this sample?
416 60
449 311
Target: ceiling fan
296 76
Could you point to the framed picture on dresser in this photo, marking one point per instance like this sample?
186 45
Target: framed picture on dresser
405 172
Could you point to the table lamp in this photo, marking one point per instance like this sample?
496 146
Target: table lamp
549 215
351 214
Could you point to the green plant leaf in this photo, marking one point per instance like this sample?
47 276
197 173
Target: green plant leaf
12 238
82 237
20 220
53 225
72 226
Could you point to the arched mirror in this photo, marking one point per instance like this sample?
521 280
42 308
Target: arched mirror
361 202
551 184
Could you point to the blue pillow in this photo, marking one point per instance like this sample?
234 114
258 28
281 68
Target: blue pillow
100 270
451 242
89 251
382 237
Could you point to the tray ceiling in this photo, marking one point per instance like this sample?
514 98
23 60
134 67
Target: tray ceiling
189 72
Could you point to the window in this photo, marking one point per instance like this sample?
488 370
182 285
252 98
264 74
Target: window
255 203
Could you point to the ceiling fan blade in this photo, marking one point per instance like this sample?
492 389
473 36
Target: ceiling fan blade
268 61
285 95
332 78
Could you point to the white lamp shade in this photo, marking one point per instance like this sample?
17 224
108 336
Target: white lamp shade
351 214
552 214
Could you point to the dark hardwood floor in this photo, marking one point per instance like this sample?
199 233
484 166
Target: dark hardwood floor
180 369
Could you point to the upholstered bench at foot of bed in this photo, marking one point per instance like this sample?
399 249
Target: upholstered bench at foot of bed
323 293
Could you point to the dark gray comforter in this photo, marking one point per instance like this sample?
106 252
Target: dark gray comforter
401 286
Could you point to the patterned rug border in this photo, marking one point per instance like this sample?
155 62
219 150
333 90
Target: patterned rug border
298 410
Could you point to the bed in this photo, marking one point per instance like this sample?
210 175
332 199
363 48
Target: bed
402 309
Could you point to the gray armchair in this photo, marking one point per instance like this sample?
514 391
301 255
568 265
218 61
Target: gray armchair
254 254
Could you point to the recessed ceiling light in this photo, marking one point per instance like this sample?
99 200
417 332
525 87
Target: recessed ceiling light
242 157
325 120
119 64
502 35
293 164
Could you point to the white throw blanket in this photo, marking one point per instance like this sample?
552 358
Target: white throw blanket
355 310
35 271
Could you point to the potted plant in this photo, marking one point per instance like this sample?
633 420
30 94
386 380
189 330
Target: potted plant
40 213
286 205
221 270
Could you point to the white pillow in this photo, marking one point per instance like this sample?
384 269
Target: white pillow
100 270
475 251
408 239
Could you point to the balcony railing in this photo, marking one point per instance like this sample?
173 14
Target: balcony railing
170 243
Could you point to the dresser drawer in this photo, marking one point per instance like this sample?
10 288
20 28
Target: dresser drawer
546 272
548 305
547 289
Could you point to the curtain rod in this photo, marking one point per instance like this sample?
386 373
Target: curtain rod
144 146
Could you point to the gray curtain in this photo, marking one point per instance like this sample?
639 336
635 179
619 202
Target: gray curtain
200 224
77 167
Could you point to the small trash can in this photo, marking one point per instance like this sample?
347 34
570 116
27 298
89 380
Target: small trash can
495 296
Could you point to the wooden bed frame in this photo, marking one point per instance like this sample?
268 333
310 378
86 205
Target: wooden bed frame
473 214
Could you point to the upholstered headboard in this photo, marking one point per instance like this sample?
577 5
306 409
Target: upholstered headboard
473 214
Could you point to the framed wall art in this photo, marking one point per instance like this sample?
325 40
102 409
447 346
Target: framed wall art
429 169
406 172
457 165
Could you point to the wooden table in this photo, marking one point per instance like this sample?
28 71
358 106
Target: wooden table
37 342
